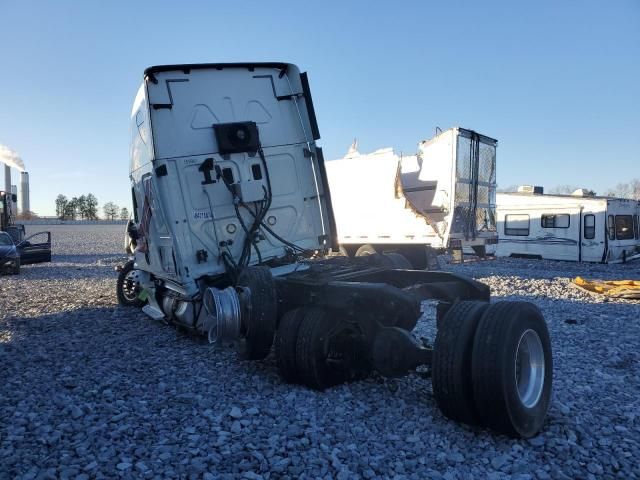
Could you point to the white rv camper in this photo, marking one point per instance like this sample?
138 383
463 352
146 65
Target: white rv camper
442 197
574 227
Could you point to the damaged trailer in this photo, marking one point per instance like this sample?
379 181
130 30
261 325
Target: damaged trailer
233 223
577 227
443 197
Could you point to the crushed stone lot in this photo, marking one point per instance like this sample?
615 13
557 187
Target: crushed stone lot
92 390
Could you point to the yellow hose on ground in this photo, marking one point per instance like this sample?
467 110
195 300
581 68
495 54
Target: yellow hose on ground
611 288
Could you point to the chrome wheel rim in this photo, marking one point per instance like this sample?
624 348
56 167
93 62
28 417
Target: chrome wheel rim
131 285
529 368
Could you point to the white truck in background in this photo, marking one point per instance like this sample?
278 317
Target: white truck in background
442 197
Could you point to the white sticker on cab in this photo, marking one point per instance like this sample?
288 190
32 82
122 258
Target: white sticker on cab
201 215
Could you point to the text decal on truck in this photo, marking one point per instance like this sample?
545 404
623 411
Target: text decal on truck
201 215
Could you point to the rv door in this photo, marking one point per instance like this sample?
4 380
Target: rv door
593 234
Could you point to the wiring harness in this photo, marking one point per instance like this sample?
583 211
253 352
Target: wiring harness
253 229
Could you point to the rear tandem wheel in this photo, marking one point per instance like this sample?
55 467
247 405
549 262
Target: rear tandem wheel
512 369
451 367
260 325
315 349
285 344
492 365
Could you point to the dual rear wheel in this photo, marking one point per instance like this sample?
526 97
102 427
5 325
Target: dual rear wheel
492 366
316 350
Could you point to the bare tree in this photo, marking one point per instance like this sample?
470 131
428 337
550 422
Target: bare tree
562 189
71 209
61 206
28 215
629 190
124 213
509 189
110 210
91 207
82 206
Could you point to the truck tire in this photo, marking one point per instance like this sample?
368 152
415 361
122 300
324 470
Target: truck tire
260 326
127 287
397 260
480 251
315 346
512 369
452 357
285 344
365 250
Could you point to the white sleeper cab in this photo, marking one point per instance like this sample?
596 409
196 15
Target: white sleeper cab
232 230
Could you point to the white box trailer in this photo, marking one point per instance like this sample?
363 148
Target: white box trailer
232 224
568 227
442 197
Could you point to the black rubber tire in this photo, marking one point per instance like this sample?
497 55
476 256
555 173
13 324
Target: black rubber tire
480 251
397 260
451 367
313 370
365 250
285 344
260 327
16 270
122 299
493 369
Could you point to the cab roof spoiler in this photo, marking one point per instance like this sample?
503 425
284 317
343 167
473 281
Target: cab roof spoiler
187 67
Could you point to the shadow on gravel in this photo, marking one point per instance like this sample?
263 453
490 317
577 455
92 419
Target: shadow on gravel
91 269
90 259
65 273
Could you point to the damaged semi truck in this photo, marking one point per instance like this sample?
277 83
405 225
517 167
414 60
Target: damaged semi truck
233 224
443 197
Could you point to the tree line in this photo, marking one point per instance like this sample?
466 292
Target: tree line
85 207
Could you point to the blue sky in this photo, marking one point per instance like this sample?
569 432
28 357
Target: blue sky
557 83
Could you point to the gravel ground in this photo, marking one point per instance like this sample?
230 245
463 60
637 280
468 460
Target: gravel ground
92 390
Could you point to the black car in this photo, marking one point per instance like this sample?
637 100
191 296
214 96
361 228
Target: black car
33 249
9 256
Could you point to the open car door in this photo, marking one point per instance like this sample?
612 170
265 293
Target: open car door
35 248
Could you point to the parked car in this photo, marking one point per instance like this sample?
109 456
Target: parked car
33 249
9 256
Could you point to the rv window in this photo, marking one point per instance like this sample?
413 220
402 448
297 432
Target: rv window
589 227
611 228
560 220
517 225
636 226
624 227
